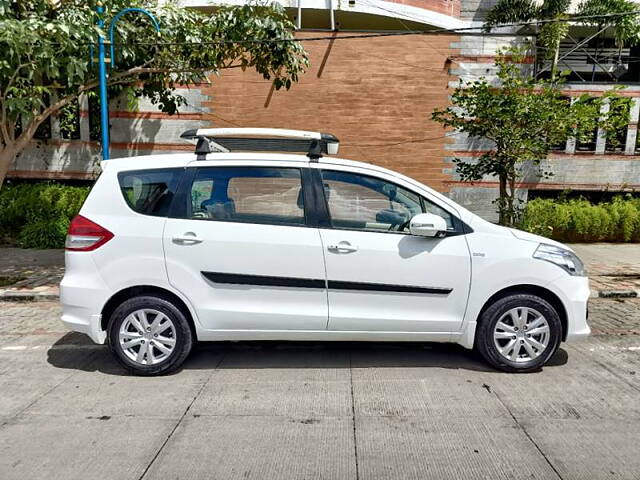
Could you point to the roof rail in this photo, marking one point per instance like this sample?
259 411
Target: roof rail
314 144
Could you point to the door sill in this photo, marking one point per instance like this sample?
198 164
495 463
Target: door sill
327 335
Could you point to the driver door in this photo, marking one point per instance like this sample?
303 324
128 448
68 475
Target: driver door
381 278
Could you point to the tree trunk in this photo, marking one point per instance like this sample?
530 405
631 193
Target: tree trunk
7 156
512 199
502 217
554 62
507 200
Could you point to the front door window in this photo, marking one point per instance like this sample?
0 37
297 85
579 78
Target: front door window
362 202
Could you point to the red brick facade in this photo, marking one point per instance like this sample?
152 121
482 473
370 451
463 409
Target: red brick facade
375 94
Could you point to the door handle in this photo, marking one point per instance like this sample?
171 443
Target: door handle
188 238
342 247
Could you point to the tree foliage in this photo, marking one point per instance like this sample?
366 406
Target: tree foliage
523 118
45 48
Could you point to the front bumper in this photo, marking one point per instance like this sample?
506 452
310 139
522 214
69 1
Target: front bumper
574 293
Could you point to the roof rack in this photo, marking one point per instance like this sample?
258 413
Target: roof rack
314 144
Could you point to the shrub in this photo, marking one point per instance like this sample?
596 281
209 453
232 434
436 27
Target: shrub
48 233
38 215
579 220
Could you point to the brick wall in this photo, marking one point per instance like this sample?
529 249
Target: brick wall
375 94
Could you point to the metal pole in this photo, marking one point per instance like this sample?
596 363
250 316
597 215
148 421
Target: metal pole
112 29
332 17
104 101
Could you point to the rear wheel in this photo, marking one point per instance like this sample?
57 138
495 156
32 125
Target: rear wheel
519 333
149 335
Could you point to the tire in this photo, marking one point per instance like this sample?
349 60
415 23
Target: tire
167 344
522 327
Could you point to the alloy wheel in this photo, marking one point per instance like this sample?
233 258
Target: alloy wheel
147 336
521 334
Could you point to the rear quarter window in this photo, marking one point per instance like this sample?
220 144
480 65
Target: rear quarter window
150 192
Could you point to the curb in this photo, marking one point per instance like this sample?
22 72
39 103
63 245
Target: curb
29 297
630 293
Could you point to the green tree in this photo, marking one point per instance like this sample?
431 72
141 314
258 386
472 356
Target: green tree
626 29
45 52
523 118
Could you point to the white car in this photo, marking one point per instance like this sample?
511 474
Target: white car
220 245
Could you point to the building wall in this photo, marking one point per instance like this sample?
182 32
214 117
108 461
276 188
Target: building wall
449 7
475 10
376 95
570 169
140 132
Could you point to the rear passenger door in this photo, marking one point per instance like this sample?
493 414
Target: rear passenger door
242 248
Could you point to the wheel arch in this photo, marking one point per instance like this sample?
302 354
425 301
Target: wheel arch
537 290
139 290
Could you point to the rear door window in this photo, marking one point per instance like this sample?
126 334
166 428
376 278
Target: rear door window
150 192
248 194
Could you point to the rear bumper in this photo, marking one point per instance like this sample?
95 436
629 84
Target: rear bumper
88 325
83 293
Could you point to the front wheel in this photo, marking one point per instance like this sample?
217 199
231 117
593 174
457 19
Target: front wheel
518 333
149 335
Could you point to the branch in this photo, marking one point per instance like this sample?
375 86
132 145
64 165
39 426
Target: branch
30 130
4 129
12 79
116 79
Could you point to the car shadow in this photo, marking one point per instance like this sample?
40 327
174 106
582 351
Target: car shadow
75 351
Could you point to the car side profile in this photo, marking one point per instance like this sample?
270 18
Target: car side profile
232 243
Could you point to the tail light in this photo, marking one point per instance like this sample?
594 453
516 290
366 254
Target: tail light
85 235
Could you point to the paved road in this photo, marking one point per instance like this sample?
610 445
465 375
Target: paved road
317 411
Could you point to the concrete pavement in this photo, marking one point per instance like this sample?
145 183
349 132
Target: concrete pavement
312 410
29 274
613 268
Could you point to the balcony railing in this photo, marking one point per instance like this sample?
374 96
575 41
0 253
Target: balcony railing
594 61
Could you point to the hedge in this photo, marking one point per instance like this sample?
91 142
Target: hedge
579 220
37 215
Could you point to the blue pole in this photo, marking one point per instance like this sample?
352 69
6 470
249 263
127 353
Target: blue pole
114 21
104 101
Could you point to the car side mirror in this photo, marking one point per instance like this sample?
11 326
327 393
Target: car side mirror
428 225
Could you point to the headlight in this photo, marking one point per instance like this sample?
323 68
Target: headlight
561 257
